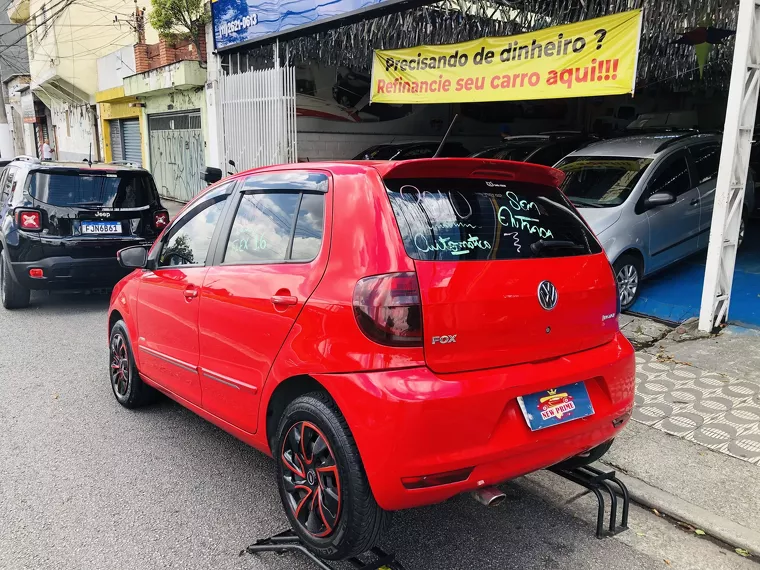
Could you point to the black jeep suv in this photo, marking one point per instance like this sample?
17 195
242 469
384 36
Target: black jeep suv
61 224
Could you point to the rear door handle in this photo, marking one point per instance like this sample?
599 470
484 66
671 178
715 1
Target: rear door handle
694 202
190 294
284 299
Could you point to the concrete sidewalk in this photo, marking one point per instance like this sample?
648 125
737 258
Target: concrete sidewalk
692 450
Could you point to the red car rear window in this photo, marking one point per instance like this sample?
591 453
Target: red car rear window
475 219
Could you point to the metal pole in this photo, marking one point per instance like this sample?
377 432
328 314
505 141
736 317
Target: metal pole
734 164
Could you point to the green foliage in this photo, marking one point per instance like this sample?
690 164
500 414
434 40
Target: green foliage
174 19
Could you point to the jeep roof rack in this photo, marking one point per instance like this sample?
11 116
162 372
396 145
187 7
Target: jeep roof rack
676 139
27 158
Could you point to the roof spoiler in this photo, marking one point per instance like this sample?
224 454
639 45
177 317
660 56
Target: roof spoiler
471 168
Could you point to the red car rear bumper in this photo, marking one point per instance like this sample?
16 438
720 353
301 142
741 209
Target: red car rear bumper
413 422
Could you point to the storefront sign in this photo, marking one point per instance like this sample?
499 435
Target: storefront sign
594 57
244 21
27 107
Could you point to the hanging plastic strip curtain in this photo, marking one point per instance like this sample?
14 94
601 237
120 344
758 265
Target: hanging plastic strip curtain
661 60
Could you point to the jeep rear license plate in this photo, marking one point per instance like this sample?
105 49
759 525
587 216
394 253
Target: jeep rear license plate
101 227
556 406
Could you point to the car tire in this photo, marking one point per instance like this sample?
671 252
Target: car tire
12 294
628 273
587 458
312 430
128 388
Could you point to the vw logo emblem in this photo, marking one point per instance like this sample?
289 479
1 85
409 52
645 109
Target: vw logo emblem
547 295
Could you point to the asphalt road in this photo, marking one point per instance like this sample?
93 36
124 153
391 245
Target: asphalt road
87 484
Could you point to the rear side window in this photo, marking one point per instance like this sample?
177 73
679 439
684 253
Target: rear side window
7 184
72 189
707 160
272 227
472 219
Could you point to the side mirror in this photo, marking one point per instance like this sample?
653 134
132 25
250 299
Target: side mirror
135 257
660 199
211 175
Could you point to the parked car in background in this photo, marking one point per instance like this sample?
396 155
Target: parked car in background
675 121
649 199
545 148
409 150
300 307
62 224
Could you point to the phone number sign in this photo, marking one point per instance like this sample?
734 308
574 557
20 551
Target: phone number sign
239 22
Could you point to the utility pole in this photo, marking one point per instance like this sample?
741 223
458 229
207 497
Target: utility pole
6 141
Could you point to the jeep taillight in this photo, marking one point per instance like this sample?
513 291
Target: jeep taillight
160 219
29 220
388 309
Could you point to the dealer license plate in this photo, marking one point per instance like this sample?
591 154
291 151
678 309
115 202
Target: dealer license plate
556 406
101 227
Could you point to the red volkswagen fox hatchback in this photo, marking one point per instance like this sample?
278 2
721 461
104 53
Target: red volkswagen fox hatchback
392 333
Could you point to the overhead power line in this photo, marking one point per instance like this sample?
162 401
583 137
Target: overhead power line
51 17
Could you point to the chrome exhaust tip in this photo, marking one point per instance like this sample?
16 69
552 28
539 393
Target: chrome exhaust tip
489 496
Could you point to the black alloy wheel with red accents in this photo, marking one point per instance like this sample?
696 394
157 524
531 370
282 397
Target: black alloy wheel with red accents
321 479
128 387
119 365
311 479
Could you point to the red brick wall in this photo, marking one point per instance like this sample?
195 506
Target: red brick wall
141 58
166 52
152 56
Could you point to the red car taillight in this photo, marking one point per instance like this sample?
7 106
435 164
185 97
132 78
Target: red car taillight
388 309
160 219
29 220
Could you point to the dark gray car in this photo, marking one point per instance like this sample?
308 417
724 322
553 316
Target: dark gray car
649 199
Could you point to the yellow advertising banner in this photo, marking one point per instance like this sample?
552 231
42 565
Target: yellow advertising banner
593 57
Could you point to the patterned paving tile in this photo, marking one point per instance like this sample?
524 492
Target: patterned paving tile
704 407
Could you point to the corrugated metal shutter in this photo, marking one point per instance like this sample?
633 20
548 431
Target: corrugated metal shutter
117 149
131 138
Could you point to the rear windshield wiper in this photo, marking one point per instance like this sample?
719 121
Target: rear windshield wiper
543 244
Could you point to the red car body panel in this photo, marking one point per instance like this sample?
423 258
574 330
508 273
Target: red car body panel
238 298
413 411
167 316
414 422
